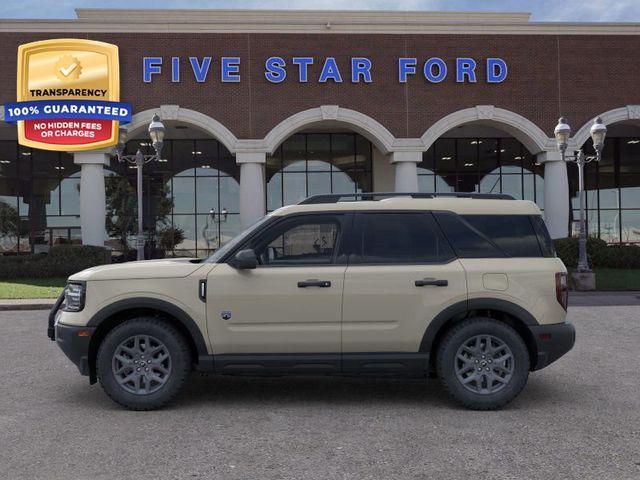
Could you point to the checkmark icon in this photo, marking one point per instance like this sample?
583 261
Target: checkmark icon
68 68
66 71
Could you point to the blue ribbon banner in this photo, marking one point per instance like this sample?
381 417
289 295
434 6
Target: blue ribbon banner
67 109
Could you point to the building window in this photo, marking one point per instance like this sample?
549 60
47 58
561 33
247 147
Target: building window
39 199
612 188
195 188
485 165
315 163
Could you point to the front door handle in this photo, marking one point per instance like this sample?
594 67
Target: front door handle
314 283
431 281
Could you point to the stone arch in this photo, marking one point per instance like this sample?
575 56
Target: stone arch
210 125
374 131
622 114
527 132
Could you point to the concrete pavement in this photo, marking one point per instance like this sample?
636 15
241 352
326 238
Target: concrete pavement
576 419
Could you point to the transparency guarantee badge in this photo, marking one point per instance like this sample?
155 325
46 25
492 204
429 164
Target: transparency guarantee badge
68 95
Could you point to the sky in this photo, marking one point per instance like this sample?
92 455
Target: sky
542 10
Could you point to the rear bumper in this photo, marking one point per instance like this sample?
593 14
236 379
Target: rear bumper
552 342
74 342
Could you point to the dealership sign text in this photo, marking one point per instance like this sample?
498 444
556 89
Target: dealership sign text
307 69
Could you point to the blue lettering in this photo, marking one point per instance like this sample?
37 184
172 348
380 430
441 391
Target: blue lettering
406 66
465 67
175 69
275 69
330 71
360 67
496 70
151 66
200 71
230 70
303 64
428 70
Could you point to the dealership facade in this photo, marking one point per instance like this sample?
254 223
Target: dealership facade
264 108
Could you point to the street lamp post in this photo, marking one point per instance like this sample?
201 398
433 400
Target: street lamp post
156 133
562 133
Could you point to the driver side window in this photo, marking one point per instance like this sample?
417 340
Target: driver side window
311 242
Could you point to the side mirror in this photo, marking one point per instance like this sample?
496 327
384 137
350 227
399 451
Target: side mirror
245 259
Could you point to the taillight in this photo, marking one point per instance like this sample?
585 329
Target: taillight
562 289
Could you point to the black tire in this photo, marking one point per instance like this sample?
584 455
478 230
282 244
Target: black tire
179 367
452 370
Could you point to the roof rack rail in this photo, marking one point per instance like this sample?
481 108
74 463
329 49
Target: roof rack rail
337 197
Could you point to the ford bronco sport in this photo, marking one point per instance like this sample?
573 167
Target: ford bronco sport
463 286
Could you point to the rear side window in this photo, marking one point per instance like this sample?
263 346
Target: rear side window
546 244
467 241
405 238
514 234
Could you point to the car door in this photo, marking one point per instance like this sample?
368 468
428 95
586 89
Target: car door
401 274
289 304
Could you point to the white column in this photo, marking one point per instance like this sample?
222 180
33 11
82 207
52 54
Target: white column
556 194
252 188
93 208
406 166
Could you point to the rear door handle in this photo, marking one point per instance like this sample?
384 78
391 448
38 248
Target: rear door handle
431 281
314 283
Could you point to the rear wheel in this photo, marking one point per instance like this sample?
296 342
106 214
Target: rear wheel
143 363
483 363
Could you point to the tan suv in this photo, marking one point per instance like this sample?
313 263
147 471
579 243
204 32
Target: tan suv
465 286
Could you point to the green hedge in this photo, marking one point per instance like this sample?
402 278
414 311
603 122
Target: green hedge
61 261
599 254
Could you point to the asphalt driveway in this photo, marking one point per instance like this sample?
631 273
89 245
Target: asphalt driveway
579 418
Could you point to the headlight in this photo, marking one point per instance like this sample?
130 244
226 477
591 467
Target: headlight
74 297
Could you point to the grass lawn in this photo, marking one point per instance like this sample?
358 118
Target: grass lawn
32 287
617 279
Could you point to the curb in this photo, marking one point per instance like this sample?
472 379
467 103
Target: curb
9 307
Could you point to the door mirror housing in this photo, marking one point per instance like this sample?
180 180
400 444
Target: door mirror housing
245 260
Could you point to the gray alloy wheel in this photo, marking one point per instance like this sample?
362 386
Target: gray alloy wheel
141 364
484 364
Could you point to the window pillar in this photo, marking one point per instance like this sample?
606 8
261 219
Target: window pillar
406 170
93 209
252 187
556 194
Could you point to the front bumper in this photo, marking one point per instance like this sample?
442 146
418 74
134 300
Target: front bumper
74 342
552 342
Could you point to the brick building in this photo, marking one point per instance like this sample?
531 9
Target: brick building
264 108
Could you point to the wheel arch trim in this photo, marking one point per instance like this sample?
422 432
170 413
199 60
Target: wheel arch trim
460 310
153 304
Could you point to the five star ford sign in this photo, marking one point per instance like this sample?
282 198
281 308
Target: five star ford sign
68 95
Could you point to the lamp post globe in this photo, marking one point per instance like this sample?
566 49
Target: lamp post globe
156 133
598 133
562 133
122 140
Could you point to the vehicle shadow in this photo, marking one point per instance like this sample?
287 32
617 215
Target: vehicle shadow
304 392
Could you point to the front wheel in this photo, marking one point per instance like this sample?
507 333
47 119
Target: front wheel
143 363
483 363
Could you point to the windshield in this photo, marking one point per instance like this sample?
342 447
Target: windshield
235 241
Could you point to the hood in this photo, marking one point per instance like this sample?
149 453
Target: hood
171 268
